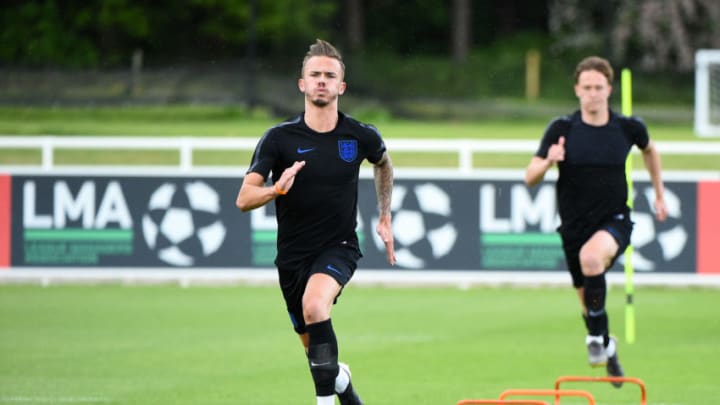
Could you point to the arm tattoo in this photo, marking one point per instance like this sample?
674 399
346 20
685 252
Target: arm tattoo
383 172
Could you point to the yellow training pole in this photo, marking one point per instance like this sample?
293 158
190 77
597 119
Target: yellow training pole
626 83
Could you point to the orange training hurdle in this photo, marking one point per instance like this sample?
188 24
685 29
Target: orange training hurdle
554 393
632 380
501 402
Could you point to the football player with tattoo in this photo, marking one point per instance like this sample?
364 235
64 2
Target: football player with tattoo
312 162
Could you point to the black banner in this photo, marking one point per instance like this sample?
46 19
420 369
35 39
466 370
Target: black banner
439 224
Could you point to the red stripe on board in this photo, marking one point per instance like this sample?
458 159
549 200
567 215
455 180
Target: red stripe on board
708 225
5 216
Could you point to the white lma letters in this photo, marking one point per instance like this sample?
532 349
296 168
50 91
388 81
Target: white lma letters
524 210
112 209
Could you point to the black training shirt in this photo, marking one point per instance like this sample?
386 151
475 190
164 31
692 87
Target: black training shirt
320 210
592 186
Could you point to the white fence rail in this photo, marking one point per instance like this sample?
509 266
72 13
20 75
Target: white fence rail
186 146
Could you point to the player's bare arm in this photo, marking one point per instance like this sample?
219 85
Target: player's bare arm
536 170
538 166
383 172
651 157
253 192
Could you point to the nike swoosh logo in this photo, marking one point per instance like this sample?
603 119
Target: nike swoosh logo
333 269
301 150
313 364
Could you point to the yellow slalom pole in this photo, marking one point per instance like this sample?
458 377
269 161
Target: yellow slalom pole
626 83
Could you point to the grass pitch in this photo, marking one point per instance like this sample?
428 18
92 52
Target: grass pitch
162 345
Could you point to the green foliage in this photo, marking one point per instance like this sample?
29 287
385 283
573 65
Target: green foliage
36 34
72 33
405 54
416 27
104 33
286 24
278 23
494 72
497 72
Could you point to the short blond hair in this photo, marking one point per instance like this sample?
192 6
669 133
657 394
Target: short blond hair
323 48
595 63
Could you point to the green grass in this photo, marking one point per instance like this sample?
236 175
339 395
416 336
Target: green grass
236 122
163 345
218 121
132 121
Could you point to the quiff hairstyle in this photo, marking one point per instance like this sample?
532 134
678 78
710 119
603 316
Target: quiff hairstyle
595 63
323 48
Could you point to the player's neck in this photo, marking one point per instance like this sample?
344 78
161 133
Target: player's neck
321 119
596 118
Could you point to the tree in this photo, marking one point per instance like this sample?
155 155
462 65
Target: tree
461 25
651 34
355 23
667 33
103 33
70 33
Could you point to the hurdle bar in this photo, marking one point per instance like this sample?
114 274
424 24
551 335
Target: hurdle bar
632 380
501 402
553 393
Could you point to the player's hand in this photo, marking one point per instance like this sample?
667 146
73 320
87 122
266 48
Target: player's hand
661 212
384 229
287 178
556 153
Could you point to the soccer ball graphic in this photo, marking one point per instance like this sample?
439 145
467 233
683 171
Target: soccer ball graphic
182 224
421 225
650 238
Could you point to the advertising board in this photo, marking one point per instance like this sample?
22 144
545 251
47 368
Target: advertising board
439 224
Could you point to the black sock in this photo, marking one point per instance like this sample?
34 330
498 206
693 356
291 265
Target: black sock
594 297
606 337
323 357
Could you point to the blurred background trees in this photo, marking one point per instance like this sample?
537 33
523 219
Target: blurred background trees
653 35
78 33
414 48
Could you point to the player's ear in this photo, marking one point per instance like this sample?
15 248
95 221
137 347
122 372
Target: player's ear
301 85
343 86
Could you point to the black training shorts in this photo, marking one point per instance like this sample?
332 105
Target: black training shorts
338 262
619 226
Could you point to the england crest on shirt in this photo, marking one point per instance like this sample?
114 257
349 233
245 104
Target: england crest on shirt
348 150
